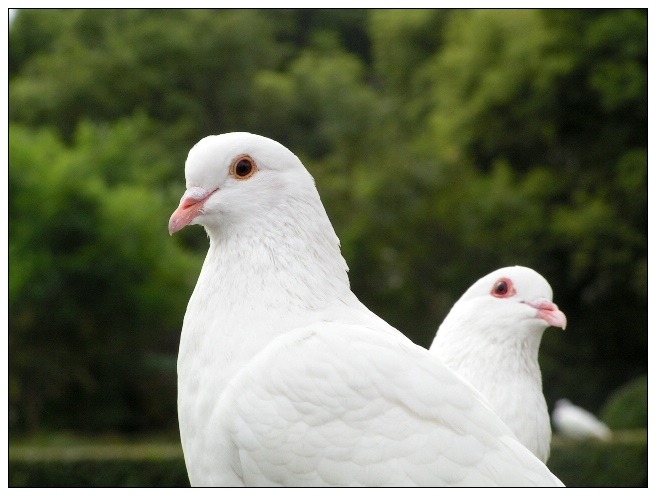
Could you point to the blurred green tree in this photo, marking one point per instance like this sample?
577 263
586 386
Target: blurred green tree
94 283
521 156
444 143
103 64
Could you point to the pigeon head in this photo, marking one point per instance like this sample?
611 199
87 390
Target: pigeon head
234 176
263 215
519 292
511 296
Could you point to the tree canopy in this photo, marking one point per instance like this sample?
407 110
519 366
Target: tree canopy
445 144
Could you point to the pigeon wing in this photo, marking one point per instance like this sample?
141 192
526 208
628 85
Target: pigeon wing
341 405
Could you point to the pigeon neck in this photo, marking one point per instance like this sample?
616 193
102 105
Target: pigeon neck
503 346
273 263
262 278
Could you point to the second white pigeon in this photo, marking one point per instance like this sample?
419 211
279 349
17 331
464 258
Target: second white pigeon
577 423
284 377
491 337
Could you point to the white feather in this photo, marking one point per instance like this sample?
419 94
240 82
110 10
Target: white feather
285 378
493 343
575 422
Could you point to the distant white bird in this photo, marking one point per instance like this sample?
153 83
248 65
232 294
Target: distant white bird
491 337
575 422
284 377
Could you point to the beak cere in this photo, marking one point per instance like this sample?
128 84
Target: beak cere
191 206
549 312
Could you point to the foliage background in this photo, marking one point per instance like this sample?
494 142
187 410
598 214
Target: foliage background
444 143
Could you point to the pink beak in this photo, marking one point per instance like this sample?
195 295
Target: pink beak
549 312
191 205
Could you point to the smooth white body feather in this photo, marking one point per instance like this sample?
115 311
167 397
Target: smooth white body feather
493 343
285 378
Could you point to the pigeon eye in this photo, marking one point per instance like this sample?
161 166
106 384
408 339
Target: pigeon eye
243 167
503 288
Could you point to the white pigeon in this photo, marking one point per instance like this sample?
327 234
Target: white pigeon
284 377
575 422
491 337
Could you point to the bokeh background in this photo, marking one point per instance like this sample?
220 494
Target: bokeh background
444 143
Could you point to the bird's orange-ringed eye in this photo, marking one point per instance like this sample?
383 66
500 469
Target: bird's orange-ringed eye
503 288
243 167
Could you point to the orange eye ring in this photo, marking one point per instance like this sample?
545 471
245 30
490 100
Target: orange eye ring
243 167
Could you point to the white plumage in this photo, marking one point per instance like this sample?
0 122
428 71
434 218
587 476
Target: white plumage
575 422
491 337
284 377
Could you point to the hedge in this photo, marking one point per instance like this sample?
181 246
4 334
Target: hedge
98 473
619 463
